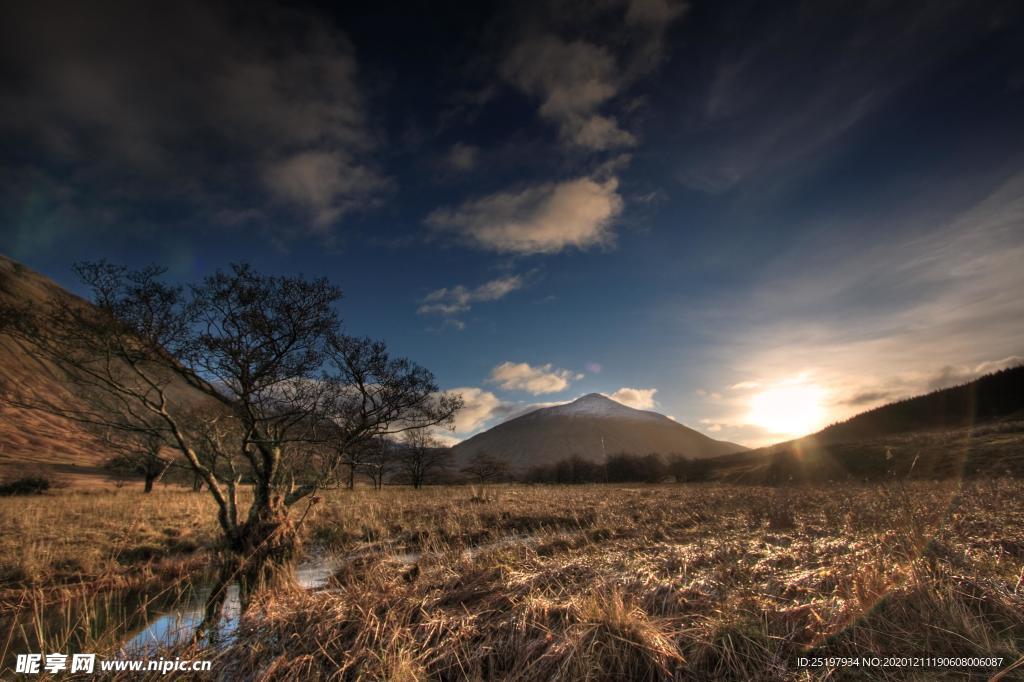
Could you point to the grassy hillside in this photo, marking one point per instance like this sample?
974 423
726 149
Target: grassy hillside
33 442
968 430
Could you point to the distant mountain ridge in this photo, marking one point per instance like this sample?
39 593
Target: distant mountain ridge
592 426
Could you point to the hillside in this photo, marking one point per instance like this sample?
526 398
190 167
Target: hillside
34 442
591 426
993 396
30 441
970 429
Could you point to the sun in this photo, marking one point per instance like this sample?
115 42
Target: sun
789 409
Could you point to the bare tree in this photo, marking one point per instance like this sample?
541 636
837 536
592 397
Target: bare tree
379 461
246 375
485 469
421 457
142 454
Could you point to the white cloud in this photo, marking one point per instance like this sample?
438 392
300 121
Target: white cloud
445 438
449 301
544 218
520 376
572 80
639 398
482 409
479 406
710 425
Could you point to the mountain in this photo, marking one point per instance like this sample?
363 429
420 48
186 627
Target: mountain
591 426
34 442
975 428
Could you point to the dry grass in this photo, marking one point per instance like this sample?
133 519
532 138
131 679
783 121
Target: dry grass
70 537
653 583
688 582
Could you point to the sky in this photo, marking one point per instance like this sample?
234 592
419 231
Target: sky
756 218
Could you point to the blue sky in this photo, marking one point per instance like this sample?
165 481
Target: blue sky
754 218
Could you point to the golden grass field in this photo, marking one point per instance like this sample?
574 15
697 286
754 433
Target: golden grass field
589 582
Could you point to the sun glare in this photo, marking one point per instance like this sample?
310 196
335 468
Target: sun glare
789 409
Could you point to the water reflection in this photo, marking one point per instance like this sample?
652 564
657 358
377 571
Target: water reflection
138 621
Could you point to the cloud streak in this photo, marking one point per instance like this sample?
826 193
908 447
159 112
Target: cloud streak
451 301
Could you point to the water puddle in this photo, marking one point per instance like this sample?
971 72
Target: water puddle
177 626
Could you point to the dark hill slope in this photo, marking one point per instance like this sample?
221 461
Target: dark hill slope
972 429
992 396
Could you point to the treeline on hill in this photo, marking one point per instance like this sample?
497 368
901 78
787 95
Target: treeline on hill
622 468
995 395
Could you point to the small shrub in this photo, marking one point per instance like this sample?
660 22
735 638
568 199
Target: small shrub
26 485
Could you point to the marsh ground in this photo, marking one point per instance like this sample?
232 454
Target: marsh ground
587 582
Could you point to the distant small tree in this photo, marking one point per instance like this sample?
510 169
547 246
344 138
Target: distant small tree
143 455
484 468
421 457
378 461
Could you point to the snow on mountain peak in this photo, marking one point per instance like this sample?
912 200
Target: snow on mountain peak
597 405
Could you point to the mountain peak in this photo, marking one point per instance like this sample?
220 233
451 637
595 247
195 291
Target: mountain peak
593 397
598 405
